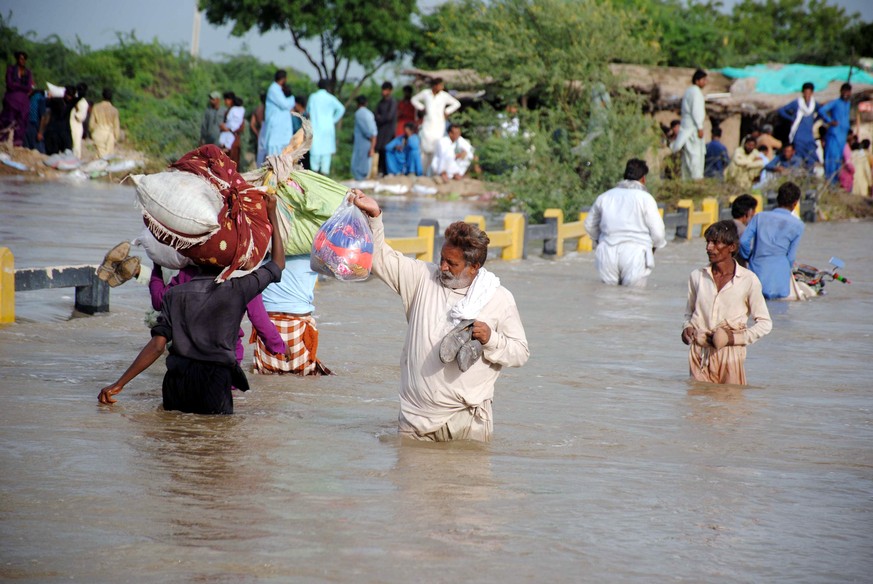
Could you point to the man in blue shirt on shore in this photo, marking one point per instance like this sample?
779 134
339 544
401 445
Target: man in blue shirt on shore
717 157
785 162
770 243
836 114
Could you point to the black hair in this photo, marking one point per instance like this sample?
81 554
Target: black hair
452 127
675 123
361 100
237 100
716 132
82 90
107 94
388 85
301 99
845 87
698 75
280 74
742 205
749 138
20 53
322 84
788 194
865 143
723 232
436 81
229 95
411 126
635 169
808 86
407 88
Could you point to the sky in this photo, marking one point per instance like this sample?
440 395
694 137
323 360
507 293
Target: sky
96 23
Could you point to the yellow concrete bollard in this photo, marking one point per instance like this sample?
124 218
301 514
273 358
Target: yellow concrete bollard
514 224
710 207
428 232
559 215
477 220
7 286
687 204
585 243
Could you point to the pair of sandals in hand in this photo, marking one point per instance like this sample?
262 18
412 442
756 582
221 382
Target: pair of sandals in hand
460 346
118 266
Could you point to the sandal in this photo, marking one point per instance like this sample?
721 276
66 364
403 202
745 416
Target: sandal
454 340
469 354
110 261
124 271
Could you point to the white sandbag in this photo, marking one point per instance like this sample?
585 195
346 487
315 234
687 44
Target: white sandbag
125 165
397 189
95 166
424 190
161 254
53 90
65 160
179 206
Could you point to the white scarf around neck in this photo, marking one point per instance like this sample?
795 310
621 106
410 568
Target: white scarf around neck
803 109
480 293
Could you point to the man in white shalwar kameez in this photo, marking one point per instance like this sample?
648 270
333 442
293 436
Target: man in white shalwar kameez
625 224
690 139
452 156
437 106
441 398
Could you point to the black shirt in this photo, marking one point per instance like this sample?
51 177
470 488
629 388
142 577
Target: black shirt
202 318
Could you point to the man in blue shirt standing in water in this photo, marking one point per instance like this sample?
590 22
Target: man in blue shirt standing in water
770 243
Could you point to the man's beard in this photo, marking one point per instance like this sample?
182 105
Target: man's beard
449 280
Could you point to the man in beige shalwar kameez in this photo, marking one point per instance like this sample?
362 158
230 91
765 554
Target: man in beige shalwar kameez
721 298
104 125
441 399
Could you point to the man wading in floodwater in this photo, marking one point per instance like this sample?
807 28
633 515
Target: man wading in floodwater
463 329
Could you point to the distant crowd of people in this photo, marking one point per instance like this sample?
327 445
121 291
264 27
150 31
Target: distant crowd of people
58 119
837 153
409 136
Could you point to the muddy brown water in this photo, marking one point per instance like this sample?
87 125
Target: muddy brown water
607 465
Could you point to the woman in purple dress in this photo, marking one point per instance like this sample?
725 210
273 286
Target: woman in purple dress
16 102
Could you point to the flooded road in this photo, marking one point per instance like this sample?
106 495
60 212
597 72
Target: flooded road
607 464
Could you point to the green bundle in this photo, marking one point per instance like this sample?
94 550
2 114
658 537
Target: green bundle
301 214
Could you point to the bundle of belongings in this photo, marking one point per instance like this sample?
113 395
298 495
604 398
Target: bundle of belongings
306 199
205 210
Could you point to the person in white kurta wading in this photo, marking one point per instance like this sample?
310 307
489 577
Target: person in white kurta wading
437 106
438 401
690 139
625 224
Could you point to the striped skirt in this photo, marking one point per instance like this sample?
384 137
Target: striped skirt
300 334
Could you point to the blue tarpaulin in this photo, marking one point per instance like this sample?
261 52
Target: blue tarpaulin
786 79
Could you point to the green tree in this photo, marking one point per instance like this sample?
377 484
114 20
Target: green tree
688 33
554 54
790 31
537 48
347 30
